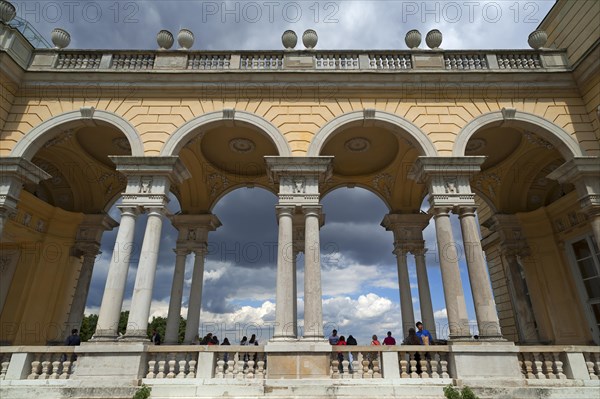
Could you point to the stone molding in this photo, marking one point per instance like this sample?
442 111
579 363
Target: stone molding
408 230
14 172
507 117
193 230
181 136
372 118
32 142
584 172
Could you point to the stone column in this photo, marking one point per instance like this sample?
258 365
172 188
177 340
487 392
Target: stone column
284 307
137 325
456 307
14 173
87 245
173 317
424 291
481 287
406 305
112 299
295 294
195 302
313 303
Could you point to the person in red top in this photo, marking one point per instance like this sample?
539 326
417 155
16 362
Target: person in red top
389 340
375 341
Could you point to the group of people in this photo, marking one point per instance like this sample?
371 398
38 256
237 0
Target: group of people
414 337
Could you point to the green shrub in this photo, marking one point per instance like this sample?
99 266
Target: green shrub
143 392
451 392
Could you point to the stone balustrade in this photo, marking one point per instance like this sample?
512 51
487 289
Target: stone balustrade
329 61
559 363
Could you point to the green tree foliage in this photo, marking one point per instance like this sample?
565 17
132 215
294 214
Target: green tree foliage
88 326
451 392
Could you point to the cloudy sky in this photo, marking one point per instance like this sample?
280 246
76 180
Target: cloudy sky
360 283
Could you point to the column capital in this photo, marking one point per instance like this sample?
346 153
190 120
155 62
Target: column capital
89 234
466 210
438 211
149 179
512 240
194 228
130 210
312 210
181 251
447 178
299 177
285 210
400 248
420 251
200 250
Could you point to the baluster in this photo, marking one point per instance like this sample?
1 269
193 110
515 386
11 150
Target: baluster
79 61
172 364
548 366
413 365
192 366
335 366
444 366
537 363
66 365
356 365
55 367
182 364
403 365
528 366
597 363
559 366
424 362
522 365
220 366
447 62
161 367
239 366
3 368
434 365
230 372
376 369
260 366
36 367
151 367
589 362
250 368
345 369
365 365
45 369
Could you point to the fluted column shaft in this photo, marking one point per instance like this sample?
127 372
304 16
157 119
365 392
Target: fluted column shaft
295 299
81 291
173 317
406 305
284 308
483 299
195 302
424 291
137 325
313 303
458 320
114 290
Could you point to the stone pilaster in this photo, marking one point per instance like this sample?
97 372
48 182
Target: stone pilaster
584 173
14 173
87 245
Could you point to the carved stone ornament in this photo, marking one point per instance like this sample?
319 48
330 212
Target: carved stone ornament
242 145
145 185
299 186
451 187
191 234
357 144
476 145
121 143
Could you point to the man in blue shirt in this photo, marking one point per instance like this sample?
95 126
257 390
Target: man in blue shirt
424 335
333 338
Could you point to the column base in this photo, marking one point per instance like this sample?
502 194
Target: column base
104 336
284 338
136 336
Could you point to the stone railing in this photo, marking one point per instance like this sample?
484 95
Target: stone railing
559 362
323 61
38 362
363 362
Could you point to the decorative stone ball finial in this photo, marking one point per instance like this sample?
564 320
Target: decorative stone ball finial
434 39
185 38
310 39
165 40
413 39
537 39
7 11
289 39
60 38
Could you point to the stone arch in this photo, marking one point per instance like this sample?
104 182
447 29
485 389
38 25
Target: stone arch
180 137
563 141
33 141
235 187
424 144
365 187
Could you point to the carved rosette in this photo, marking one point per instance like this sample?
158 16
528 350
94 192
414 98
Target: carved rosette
242 145
357 144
